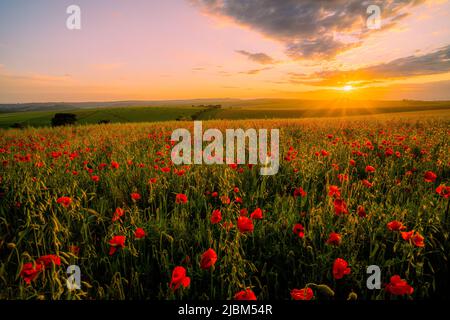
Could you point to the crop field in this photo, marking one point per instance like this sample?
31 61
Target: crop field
292 109
350 193
93 116
229 110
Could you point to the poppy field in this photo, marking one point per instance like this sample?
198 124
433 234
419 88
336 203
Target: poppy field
349 194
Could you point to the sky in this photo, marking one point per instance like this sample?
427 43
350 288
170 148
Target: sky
186 49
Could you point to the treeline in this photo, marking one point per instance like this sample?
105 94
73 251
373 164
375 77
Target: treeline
199 114
59 119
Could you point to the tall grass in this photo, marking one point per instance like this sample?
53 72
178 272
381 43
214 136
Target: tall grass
272 260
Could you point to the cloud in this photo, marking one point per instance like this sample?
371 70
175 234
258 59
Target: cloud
36 78
318 48
224 73
432 63
254 71
309 28
259 57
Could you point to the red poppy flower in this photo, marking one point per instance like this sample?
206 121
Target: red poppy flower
180 172
389 152
115 243
407 235
30 272
367 183
352 162
95 178
342 177
299 230
74 250
395 226
209 258
340 207
257 214
225 199
334 191
135 196
139 233
118 214
64 201
334 239
49 260
418 240
216 216
179 278
299 192
443 191
245 295
114 165
243 212
398 287
340 268
214 194
370 169
430 176
227 225
361 211
245 224
181 198
302 294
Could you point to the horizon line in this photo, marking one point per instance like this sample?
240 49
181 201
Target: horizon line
212 99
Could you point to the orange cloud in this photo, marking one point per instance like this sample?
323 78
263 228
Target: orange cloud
436 62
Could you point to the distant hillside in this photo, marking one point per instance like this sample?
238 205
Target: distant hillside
40 114
61 106
224 102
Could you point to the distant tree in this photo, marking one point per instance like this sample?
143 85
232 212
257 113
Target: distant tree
17 125
104 121
63 119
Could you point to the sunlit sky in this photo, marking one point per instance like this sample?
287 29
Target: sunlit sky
184 49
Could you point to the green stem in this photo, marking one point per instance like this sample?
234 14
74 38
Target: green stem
446 211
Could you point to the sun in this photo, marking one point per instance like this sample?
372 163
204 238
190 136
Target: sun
347 88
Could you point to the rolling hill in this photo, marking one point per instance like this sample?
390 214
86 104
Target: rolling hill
40 114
